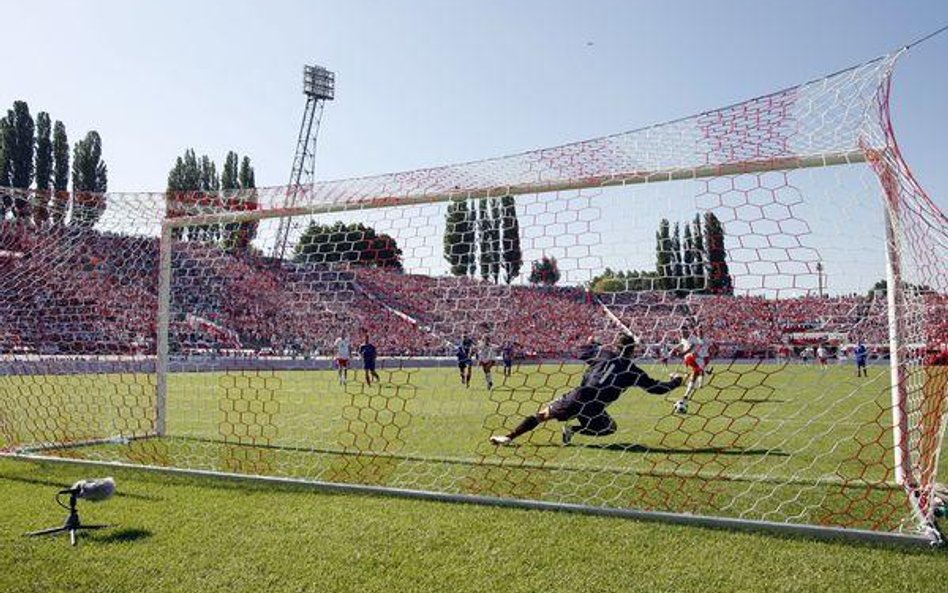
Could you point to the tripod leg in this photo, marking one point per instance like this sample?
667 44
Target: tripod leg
72 537
49 531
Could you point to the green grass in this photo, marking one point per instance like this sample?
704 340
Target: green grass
174 534
765 441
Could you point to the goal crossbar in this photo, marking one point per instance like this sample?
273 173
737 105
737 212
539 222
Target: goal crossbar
631 178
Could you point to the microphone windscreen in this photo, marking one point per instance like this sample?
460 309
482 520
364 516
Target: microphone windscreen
96 490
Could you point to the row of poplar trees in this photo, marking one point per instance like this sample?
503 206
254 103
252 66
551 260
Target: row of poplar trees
692 261
237 178
482 237
38 151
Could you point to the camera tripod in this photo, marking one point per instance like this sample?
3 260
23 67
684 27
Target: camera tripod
72 525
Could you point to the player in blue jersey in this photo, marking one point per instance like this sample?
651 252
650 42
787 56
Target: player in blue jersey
609 372
465 355
369 354
862 355
506 356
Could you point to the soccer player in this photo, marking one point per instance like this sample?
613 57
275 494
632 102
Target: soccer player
862 355
369 353
689 348
343 352
806 354
464 352
506 356
822 356
665 354
608 374
486 357
705 351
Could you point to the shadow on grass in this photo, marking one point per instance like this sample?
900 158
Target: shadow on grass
638 448
121 536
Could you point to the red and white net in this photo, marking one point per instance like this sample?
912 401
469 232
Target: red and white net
761 227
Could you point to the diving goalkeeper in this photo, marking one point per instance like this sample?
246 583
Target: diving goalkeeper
609 373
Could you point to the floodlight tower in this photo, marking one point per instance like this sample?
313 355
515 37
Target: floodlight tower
319 86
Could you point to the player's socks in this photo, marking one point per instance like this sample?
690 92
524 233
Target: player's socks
526 425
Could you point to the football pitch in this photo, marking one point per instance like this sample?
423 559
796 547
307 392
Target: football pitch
761 441
754 434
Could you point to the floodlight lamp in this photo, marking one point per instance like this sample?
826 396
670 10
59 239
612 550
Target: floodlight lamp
319 82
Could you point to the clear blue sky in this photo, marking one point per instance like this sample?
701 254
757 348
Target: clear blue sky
423 83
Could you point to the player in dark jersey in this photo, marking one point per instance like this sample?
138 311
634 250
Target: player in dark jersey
465 353
861 355
369 354
608 374
506 356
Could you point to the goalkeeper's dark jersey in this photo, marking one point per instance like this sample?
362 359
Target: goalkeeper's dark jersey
609 374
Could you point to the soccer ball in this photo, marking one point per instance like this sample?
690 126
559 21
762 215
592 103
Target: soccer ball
681 407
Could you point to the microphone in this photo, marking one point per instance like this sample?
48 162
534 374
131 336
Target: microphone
93 490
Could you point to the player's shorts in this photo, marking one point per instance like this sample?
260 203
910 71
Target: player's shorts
463 364
822 360
342 363
575 403
707 361
592 415
691 361
860 362
487 364
508 362
368 364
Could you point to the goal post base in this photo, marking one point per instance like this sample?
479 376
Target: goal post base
930 539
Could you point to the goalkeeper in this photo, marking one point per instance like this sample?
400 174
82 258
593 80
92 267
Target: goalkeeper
609 374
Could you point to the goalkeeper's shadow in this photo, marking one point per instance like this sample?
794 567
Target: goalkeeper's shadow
640 448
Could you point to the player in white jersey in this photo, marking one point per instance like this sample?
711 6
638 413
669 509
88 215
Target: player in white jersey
690 349
705 352
486 357
822 355
343 352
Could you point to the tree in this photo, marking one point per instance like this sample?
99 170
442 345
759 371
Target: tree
230 188
881 288
545 271
44 167
688 259
194 188
246 176
459 238
664 262
210 184
622 281
510 236
89 181
60 173
677 271
697 266
20 153
229 177
354 244
247 231
494 242
489 256
6 157
719 278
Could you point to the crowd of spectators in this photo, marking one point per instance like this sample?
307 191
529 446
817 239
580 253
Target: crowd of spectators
68 290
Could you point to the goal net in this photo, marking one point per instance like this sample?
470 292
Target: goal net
777 253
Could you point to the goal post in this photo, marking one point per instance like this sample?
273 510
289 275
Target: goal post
420 321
